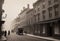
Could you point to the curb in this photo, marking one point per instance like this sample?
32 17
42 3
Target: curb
48 38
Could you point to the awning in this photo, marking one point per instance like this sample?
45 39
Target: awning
2 22
49 21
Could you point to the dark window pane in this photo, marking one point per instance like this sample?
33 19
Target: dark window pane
55 0
49 2
43 6
43 13
56 7
50 12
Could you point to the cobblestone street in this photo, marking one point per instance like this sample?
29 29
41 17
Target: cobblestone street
15 37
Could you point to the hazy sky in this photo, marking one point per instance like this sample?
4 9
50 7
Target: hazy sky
13 7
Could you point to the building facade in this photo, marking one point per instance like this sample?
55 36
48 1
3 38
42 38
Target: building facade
43 19
46 18
21 19
29 21
22 15
15 24
1 11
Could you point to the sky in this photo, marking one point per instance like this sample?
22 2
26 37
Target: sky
13 8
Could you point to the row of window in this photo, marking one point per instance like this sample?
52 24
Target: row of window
49 3
51 10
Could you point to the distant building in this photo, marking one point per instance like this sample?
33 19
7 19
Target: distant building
15 24
29 21
21 20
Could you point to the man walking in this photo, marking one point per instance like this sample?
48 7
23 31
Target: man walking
5 33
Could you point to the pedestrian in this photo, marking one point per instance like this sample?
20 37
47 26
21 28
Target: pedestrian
5 33
8 32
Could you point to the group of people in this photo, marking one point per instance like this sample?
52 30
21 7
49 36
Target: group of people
5 33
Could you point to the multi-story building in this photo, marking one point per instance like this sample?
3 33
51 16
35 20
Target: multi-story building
29 21
43 19
15 24
1 11
46 18
23 17
21 20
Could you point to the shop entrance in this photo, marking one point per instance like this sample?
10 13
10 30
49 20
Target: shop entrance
50 29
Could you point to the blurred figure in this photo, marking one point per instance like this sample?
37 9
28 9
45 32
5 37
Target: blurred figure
8 32
3 38
5 33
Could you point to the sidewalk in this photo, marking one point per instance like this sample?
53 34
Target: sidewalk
3 38
48 38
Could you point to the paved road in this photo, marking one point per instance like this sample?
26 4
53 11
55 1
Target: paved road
15 37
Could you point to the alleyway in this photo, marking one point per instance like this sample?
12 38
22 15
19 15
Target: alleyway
15 37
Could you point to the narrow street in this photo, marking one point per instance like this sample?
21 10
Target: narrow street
15 37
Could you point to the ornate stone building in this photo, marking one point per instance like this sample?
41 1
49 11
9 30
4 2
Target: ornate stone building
21 20
29 21
43 19
46 18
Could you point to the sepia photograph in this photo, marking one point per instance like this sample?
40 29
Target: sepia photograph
29 20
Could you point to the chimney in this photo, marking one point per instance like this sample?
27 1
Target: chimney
27 5
23 8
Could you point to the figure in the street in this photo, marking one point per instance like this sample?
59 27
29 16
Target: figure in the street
8 32
5 33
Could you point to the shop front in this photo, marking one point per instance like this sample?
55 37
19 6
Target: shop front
56 30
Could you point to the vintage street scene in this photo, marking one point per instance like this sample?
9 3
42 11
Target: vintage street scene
29 20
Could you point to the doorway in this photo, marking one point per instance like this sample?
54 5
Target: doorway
50 29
